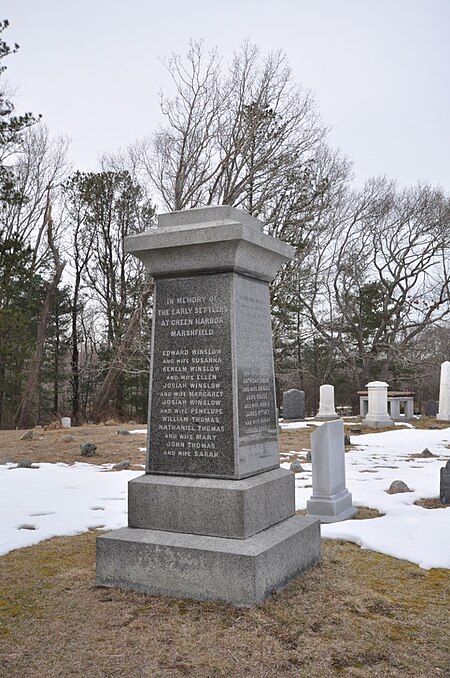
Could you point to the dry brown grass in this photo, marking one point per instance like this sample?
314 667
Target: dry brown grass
357 614
49 446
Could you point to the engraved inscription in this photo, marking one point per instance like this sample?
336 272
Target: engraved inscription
256 397
190 421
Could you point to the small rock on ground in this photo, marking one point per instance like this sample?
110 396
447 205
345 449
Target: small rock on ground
25 463
7 460
87 449
426 453
26 436
123 432
398 486
121 465
296 467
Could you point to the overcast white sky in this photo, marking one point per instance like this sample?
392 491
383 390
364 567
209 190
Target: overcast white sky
379 70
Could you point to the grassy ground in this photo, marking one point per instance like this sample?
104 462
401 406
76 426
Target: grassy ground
357 614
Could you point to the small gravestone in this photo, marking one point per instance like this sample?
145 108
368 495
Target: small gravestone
431 408
445 484
330 500
28 435
293 404
326 403
296 467
88 449
398 486
123 432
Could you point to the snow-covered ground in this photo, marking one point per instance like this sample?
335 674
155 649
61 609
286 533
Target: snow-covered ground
405 531
56 499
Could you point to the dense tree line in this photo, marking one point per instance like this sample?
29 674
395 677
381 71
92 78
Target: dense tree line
367 295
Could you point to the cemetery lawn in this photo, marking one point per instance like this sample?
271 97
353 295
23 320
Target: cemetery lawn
358 613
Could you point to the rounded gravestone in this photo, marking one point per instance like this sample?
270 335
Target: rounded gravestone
294 404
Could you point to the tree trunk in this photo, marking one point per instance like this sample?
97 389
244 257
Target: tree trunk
120 359
23 414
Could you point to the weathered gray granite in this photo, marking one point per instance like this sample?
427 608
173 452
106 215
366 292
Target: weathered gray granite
230 241
444 494
330 500
238 571
212 387
222 508
213 516
431 408
293 404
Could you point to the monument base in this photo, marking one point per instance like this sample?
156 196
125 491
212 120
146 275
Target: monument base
234 509
378 422
326 417
242 572
331 509
443 417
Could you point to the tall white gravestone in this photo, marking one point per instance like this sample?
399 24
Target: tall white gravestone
330 500
377 415
213 517
326 403
444 393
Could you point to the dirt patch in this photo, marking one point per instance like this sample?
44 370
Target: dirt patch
365 513
357 614
297 440
431 503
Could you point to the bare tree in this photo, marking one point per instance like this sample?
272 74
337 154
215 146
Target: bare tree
379 275
234 137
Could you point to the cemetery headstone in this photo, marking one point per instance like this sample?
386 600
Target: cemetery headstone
213 517
444 393
294 404
330 500
326 403
431 408
377 415
445 484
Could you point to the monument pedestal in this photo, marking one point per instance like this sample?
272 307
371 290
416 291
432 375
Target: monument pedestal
214 515
242 572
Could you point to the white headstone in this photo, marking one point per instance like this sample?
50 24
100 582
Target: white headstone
65 422
444 393
377 415
326 404
330 500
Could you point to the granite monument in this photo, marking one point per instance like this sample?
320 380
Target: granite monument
213 517
330 500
